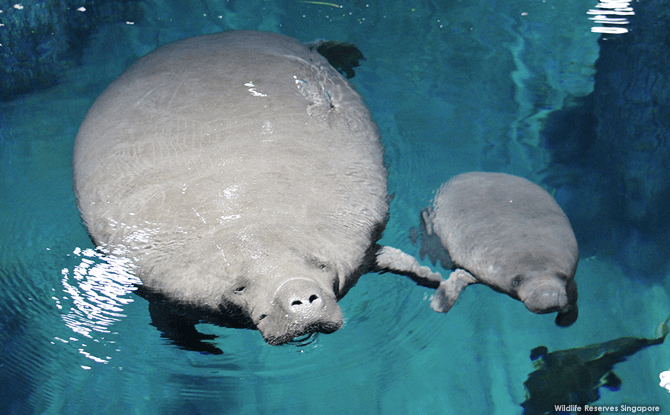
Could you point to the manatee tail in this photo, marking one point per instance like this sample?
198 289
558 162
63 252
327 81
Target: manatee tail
663 329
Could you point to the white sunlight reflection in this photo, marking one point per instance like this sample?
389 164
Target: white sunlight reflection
611 13
97 289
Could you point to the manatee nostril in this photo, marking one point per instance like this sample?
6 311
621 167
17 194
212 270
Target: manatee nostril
312 298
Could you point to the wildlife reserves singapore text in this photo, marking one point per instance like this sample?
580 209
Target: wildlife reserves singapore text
620 408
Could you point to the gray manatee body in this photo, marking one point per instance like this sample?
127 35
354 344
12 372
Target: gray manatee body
244 177
507 233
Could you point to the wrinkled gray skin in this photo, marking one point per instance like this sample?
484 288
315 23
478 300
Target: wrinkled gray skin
505 232
244 177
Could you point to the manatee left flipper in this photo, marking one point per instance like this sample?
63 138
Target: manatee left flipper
180 330
175 324
448 291
393 260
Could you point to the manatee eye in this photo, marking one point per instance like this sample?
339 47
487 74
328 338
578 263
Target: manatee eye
516 281
562 276
239 290
317 263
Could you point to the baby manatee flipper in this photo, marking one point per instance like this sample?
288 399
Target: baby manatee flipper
340 55
393 260
566 318
448 291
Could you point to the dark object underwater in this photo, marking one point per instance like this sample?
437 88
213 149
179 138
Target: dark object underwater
573 376
342 56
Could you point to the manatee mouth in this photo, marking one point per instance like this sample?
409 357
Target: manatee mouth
292 335
547 298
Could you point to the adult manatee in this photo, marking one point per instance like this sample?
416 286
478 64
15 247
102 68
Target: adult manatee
243 176
507 233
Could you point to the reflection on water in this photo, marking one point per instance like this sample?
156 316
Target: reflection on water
98 289
609 13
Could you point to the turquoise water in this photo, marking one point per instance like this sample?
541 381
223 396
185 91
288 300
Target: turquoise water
454 86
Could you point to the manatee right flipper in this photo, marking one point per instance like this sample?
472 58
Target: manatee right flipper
342 56
393 260
448 291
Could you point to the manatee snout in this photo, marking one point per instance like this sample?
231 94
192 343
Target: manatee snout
546 298
299 306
